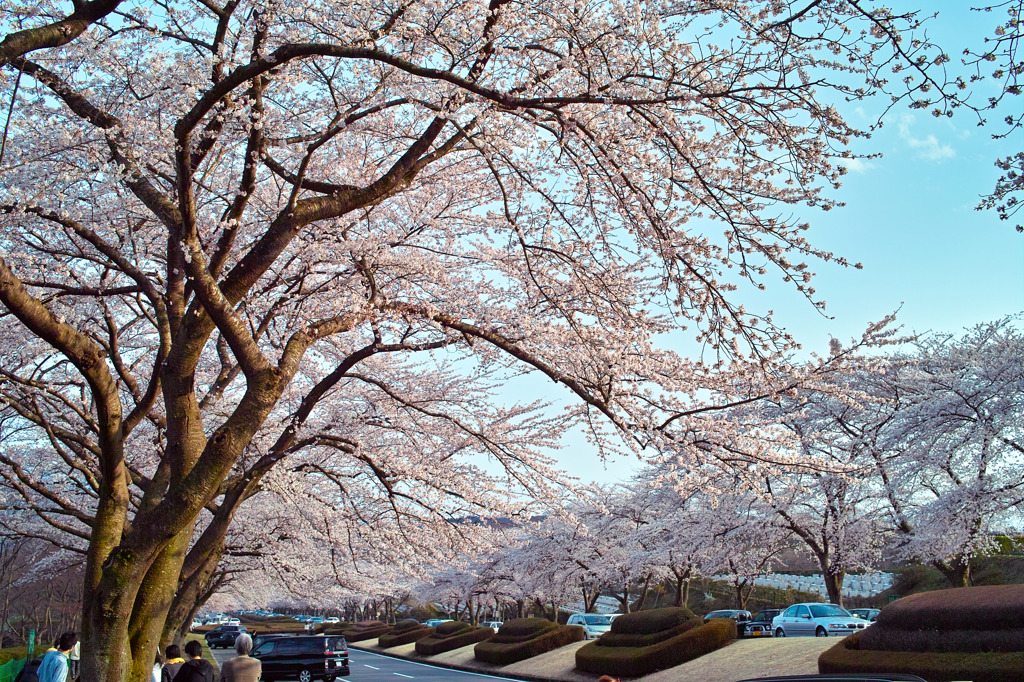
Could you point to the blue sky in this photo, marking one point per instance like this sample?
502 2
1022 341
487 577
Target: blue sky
910 218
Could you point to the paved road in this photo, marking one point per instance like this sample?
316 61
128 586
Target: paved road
370 667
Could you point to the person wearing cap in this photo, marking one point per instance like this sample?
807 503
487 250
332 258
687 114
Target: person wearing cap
241 668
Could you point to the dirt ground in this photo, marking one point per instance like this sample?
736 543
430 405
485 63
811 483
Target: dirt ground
743 659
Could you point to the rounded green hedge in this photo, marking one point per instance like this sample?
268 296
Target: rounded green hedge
367 629
404 632
988 607
967 633
848 657
523 638
451 636
640 648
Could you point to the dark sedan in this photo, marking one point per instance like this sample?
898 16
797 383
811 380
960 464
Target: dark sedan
224 636
760 625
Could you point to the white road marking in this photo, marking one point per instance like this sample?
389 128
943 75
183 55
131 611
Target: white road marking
435 667
371 666
401 675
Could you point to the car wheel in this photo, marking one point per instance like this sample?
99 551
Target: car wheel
779 632
305 675
820 632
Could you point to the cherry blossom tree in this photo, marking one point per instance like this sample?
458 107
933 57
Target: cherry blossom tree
1000 54
832 506
958 435
243 236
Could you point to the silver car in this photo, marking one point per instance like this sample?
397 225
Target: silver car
818 620
594 624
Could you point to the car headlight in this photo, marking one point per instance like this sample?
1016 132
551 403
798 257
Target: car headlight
834 626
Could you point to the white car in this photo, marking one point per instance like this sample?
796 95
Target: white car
816 620
332 619
594 624
491 624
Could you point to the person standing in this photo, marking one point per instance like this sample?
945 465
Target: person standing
158 668
242 668
173 664
74 660
54 667
195 669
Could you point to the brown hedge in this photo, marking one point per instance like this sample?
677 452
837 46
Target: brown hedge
367 629
452 638
988 607
405 632
848 657
620 639
693 639
523 638
881 638
451 627
651 621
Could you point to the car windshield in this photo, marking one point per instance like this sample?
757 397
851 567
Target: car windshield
720 614
597 620
828 610
767 615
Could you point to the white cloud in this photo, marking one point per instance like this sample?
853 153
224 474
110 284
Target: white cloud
857 165
927 147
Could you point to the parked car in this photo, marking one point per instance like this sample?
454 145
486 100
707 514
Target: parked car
491 624
332 619
303 657
196 624
234 621
223 636
594 624
870 615
760 625
434 622
738 615
819 620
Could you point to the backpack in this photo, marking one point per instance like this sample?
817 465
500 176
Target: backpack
30 672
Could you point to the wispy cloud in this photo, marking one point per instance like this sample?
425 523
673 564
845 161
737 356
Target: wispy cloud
927 147
857 165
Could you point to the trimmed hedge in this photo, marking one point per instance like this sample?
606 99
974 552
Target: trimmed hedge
367 629
404 632
652 621
881 638
450 636
523 638
848 657
14 653
638 648
989 607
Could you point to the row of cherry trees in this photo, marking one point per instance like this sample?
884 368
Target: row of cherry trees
912 456
287 254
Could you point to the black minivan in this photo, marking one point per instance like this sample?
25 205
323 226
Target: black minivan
302 657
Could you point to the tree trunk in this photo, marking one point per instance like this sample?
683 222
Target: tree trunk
956 570
834 586
643 593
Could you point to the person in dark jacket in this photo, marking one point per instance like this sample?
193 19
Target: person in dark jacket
173 664
195 669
